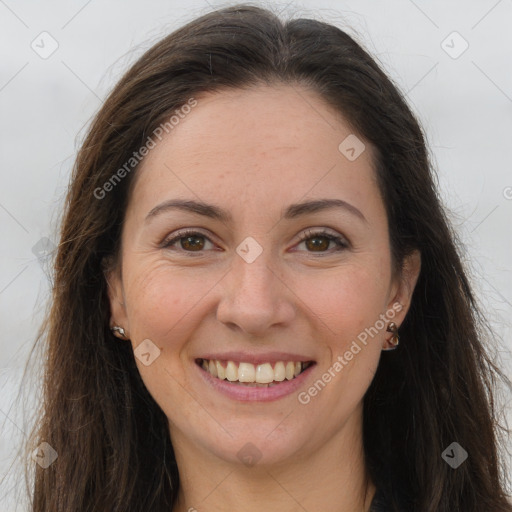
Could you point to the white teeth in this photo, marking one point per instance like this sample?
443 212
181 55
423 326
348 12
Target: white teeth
246 372
290 370
212 368
231 371
251 375
264 373
221 372
279 371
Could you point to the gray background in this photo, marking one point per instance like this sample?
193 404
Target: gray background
463 101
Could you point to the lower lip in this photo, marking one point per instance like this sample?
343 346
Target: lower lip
255 394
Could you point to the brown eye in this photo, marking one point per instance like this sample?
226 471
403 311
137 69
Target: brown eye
319 241
314 244
190 241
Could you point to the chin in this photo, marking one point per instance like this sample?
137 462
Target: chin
267 443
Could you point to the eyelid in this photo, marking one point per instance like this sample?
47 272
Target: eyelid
322 231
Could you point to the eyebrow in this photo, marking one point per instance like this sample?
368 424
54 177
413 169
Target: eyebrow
215 212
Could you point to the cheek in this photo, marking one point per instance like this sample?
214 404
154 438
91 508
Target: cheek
349 304
345 301
159 300
161 304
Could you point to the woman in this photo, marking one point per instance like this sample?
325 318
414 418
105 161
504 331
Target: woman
259 303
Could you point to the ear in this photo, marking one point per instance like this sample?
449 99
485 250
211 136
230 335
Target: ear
403 286
118 316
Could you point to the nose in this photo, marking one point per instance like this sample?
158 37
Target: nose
255 297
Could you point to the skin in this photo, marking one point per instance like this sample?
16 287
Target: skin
253 152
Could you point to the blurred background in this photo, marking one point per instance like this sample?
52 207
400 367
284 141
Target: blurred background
60 59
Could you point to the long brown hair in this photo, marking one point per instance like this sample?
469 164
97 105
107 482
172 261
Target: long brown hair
112 439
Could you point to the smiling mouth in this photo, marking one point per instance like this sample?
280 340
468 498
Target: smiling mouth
251 375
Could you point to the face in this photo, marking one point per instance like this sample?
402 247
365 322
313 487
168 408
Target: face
254 282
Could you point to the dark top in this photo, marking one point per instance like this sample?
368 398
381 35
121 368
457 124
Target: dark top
382 503
379 503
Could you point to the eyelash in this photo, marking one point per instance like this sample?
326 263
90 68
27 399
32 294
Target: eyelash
341 243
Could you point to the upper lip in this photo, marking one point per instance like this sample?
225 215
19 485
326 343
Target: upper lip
254 358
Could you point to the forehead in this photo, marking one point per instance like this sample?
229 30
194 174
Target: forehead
254 148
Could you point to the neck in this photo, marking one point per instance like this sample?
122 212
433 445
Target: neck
332 477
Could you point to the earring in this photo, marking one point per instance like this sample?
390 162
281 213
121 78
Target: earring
395 339
119 330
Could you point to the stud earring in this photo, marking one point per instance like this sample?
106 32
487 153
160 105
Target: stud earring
395 339
119 330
